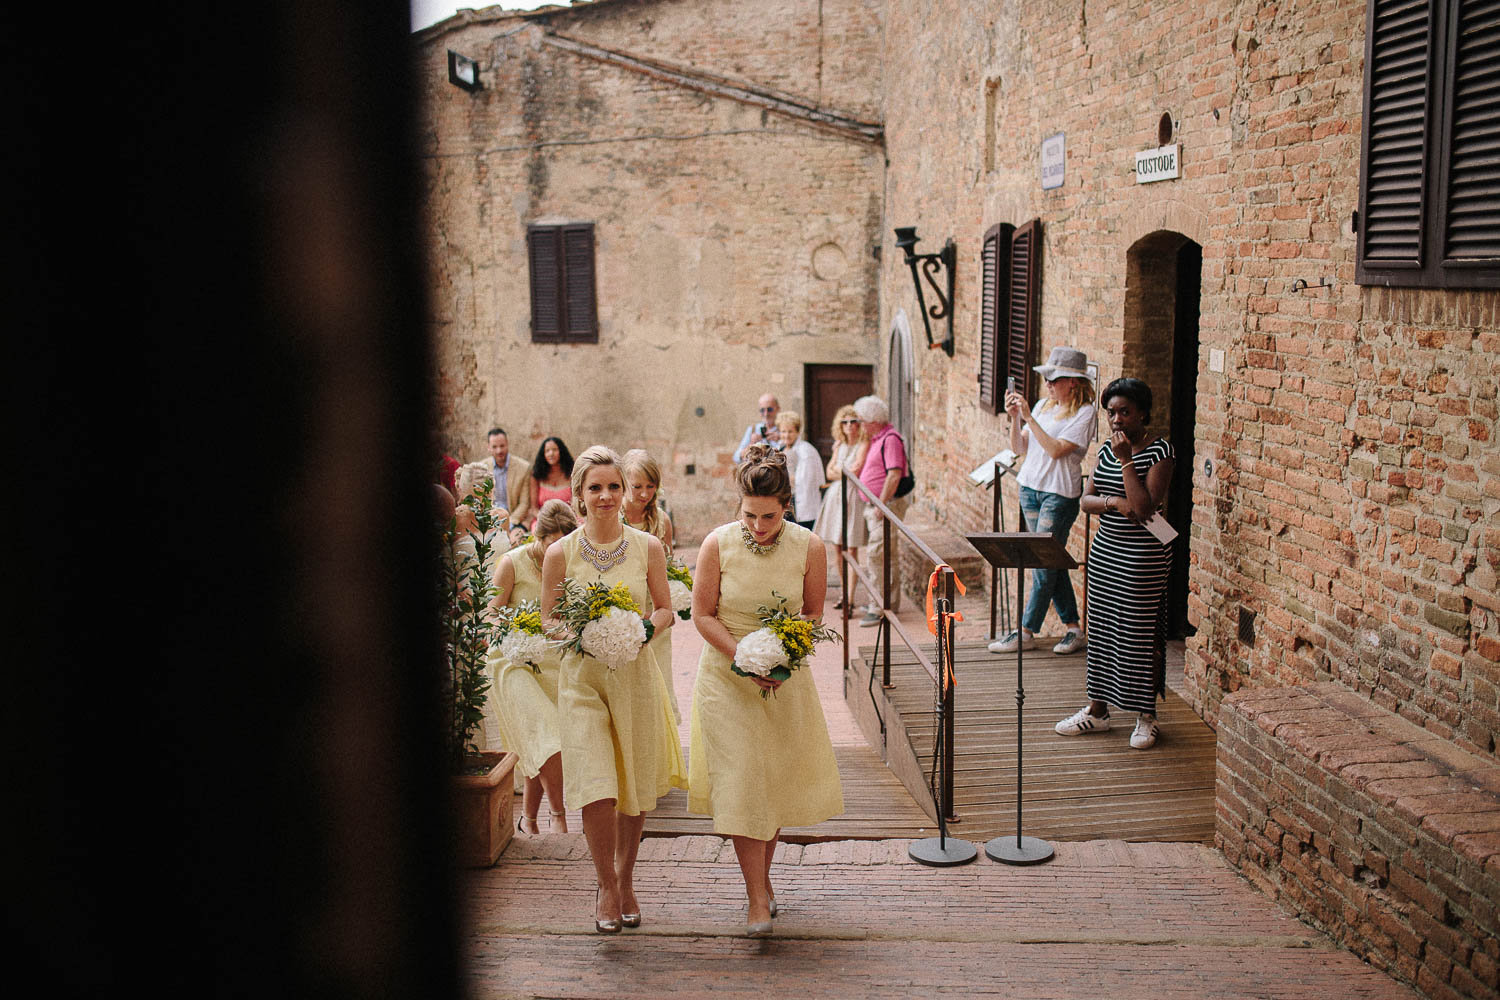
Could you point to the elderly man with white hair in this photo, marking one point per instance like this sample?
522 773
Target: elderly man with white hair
885 464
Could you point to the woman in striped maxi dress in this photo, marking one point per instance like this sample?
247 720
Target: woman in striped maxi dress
1128 568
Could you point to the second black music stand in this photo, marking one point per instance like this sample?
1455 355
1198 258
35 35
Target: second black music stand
1021 550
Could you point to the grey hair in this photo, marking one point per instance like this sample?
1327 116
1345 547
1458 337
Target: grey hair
872 409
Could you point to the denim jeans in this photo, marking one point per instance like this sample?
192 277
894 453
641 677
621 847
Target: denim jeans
1055 515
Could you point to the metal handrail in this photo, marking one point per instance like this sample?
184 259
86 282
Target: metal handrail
941 672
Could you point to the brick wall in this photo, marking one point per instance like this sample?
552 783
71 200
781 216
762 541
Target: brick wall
708 213
1349 520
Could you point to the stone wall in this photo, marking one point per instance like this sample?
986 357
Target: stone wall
1347 531
708 212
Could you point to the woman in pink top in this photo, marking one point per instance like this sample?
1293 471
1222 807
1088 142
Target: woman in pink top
551 475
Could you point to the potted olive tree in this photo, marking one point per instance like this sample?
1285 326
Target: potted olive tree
482 779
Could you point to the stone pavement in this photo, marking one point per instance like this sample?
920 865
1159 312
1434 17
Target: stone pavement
859 919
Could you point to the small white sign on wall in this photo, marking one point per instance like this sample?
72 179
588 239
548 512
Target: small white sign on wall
1054 158
1160 164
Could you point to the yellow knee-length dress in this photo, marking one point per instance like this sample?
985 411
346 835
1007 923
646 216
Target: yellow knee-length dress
759 764
618 738
526 702
661 643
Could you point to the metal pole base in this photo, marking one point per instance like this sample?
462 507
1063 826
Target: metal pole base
942 852
1018 850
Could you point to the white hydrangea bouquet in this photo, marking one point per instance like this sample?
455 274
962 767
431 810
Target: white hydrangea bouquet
782 643
523 639
603 621
680 583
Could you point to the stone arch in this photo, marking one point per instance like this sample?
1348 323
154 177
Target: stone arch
901 370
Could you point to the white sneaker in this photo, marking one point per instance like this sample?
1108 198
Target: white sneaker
1146 732
1082 722
1072 642
1016 640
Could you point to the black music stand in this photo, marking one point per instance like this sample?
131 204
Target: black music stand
1021 550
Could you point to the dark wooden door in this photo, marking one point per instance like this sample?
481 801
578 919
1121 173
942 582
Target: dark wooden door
1184 417
826 388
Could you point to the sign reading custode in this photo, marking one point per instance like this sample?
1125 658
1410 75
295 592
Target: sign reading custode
1160 164
1054 158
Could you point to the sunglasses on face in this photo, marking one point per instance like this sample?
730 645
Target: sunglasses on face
848 421
768 409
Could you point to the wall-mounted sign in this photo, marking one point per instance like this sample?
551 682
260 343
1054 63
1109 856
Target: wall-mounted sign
1160 164
1054 155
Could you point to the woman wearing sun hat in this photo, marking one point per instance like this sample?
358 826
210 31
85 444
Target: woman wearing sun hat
1054 436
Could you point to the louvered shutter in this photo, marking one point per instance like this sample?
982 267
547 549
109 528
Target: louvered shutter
581 316
544 246
992 308
1022 310
1396 133
1430 168
1471 224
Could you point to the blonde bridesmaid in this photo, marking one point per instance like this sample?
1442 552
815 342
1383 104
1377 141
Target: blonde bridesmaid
758 763
526 700
619 745
644 513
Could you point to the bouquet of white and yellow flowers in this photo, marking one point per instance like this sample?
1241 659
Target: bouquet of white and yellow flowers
782 643
523 639
680 584
603 621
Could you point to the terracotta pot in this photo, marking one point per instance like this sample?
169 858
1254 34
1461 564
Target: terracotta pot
484 803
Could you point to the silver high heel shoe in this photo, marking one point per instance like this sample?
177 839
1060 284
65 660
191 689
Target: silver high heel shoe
604 926
760 930
774 907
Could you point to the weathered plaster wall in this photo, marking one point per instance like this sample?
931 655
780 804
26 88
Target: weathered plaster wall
1353 429
707 212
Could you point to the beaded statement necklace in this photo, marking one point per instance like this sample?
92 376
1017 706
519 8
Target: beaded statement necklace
602 559
756 547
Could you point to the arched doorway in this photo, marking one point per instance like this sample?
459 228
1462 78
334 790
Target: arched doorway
1163 285
901 369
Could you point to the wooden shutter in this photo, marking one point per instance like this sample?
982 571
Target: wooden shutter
581 316
992 308
1471 224
544 246
1023 308
1430 167
1397 115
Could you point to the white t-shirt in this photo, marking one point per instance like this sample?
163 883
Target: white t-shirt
807 475
1063 476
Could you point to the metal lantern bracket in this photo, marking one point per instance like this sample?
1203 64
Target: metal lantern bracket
933 267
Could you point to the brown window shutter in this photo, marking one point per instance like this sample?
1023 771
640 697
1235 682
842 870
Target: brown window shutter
544 248
992 307
1396 138
579 307
1471 201
1024 306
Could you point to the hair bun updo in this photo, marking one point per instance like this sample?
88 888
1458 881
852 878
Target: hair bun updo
762 472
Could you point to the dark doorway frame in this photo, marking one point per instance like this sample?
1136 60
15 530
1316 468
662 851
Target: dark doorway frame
825 388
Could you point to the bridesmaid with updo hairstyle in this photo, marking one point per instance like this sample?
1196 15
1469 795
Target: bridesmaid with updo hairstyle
620 751
757 764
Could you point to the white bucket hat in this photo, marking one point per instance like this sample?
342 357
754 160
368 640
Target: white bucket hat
1065 362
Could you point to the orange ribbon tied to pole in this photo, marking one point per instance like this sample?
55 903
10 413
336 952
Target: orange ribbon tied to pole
932 581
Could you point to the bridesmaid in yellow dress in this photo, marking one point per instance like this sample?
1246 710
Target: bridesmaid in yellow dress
619 746
642 481
758 763
526 701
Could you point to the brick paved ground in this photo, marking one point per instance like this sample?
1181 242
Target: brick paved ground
859 919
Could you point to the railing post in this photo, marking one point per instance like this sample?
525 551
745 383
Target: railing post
949 695
843 564
885 600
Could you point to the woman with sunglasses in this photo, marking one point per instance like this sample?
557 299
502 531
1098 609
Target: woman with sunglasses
849 446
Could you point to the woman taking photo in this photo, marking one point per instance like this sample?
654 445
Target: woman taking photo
641 511
1128 569
1054 436
758 763
551 475
849 447
619 746
526 699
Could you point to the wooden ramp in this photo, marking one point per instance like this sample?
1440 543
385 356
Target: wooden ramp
1076 788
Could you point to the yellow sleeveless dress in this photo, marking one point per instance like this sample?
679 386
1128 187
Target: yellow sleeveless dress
618 738
661 644
526 702
756 764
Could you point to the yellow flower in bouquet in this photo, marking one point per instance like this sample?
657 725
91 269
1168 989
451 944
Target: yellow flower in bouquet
782 643
602 621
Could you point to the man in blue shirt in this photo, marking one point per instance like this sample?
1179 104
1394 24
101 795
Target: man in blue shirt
763 429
